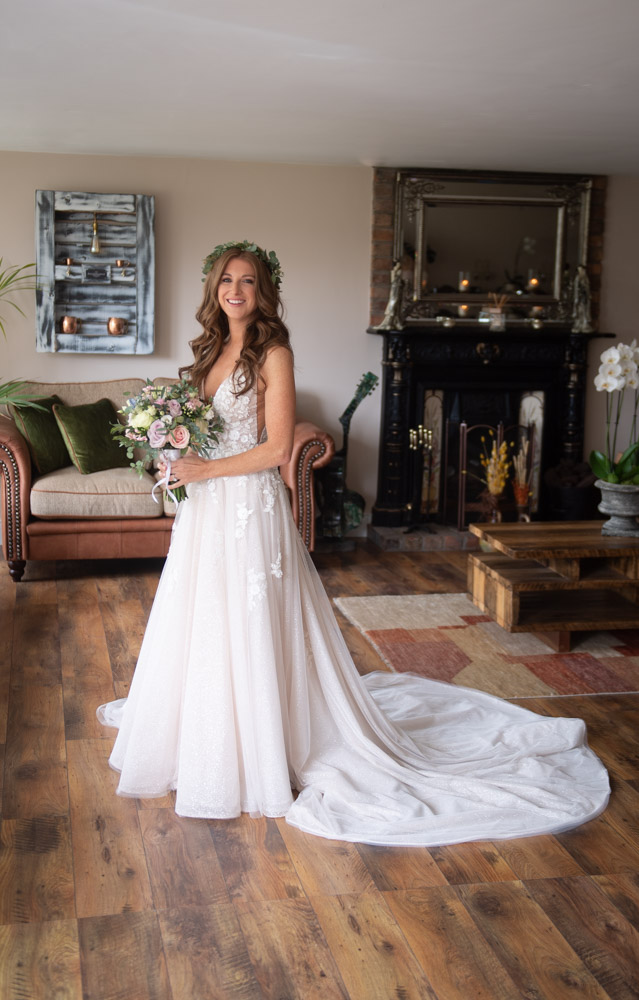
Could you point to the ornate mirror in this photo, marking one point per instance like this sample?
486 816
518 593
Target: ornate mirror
465 241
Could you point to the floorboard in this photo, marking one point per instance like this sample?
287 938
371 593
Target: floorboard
104 897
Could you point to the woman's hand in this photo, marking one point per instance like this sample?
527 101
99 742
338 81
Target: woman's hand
189 469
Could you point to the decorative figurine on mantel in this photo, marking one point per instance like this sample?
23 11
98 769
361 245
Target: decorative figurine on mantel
581 317
392 319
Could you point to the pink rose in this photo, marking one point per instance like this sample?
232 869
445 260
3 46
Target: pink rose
157 434
174 408
179 437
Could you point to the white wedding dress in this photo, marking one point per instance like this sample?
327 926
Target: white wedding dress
245 689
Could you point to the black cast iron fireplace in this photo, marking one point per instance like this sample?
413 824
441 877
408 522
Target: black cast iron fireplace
436 380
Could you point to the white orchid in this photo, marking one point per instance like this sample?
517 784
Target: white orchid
618 371
611 356
611 370
628 367
606 382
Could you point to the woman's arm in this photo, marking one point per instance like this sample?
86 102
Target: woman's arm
279 419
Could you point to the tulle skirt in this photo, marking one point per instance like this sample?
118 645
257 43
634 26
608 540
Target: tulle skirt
245 699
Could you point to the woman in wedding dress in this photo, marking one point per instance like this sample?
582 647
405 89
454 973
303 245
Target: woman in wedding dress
245 693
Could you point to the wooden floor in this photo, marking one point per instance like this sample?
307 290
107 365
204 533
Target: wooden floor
107 898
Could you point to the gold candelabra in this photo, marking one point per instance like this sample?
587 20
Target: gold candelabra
420 437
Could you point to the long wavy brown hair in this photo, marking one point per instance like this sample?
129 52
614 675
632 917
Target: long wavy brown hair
265 330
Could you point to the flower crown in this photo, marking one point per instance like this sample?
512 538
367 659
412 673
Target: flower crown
267 257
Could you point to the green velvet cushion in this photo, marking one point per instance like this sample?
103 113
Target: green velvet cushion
46 444
86 431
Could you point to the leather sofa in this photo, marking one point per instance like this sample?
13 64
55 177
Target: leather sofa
39 513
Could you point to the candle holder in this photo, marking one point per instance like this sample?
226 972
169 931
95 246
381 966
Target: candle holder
463 283
532 285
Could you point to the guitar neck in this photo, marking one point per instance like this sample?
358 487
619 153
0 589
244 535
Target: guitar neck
365 387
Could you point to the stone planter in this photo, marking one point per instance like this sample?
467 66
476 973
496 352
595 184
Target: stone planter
621 501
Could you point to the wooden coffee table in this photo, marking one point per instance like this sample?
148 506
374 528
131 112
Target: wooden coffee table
555 578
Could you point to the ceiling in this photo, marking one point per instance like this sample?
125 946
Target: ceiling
510 84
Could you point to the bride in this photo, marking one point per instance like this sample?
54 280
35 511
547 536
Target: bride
245 693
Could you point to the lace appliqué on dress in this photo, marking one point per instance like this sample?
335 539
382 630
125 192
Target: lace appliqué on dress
240 419
269 484
242 514
276 567
256 589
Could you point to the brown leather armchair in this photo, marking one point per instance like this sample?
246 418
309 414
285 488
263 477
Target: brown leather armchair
312 448
26 536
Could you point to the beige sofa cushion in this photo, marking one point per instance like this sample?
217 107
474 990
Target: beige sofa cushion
112 493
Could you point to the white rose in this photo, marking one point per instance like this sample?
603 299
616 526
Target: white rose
142 420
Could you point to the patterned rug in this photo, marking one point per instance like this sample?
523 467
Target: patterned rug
445 637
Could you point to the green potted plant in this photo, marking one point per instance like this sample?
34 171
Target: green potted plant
618 472
13 279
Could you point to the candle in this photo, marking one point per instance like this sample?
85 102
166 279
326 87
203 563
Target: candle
464 281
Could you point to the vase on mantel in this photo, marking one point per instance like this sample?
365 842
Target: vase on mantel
621 502
521 493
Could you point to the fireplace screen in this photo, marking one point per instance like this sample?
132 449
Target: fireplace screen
452 476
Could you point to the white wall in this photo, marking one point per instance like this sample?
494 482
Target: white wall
318 219
619 302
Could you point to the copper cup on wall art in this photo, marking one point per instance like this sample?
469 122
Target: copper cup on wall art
69 324
117 326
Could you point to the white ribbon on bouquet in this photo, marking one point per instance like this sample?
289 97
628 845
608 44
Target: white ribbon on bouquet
169 455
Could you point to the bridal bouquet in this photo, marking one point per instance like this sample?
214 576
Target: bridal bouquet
165 421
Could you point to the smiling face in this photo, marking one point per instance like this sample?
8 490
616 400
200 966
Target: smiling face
236 290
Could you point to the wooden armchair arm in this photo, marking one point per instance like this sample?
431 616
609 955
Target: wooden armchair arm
15 470
312 448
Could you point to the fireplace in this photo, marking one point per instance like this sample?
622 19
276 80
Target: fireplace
441 385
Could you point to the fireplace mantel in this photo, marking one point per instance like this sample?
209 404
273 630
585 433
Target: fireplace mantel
471 357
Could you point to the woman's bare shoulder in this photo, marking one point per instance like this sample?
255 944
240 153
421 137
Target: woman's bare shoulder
278 363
